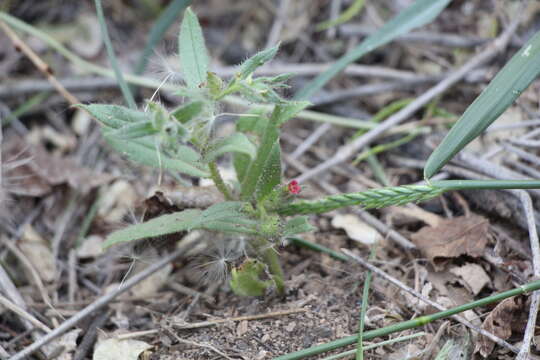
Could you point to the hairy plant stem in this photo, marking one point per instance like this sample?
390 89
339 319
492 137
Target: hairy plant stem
270 257
218 180
405 325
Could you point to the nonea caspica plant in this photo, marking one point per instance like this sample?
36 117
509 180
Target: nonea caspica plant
260 209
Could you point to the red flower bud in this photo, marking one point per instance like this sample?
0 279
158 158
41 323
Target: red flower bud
294 187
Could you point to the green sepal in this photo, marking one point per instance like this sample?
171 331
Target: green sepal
246 279
297 225
215 84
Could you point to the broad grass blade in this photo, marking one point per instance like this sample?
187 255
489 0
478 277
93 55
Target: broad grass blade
418 14
510 82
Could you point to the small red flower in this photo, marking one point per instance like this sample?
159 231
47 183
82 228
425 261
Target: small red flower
294 187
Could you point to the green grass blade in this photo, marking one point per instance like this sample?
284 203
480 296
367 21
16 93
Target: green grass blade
165 20
345 16
126 92
192 50
418 14
510 82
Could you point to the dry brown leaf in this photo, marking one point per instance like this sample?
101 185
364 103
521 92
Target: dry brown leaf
44 170
500 322
37 250
453 238
473 276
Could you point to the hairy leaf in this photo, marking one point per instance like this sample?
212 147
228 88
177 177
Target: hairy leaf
250 65
135 130
193 54
114 116
146 153
297 225
187 112
226 216
237 143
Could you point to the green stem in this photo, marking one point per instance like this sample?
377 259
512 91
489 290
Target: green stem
218 180
363 309
420 321
255 170
271 259
313 246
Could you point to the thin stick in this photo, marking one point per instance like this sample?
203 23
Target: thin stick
413 292
535 250
38 63
350 149
101 302
238 318
24 314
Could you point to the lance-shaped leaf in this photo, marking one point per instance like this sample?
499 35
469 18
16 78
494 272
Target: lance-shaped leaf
250 65
193 54
421 12
510 82
135 130
237 143
163 225
115 116
226 217
146 153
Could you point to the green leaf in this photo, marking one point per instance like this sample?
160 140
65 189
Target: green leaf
241 164
187 112
146 153
226 216
510 82
250 65
215 84
418 14
114 116
163 225
297 225
193 54
246 279
271 174
135 130
345 16
290 109
255 123
237 143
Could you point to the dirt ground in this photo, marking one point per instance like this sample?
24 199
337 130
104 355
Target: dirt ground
64 189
